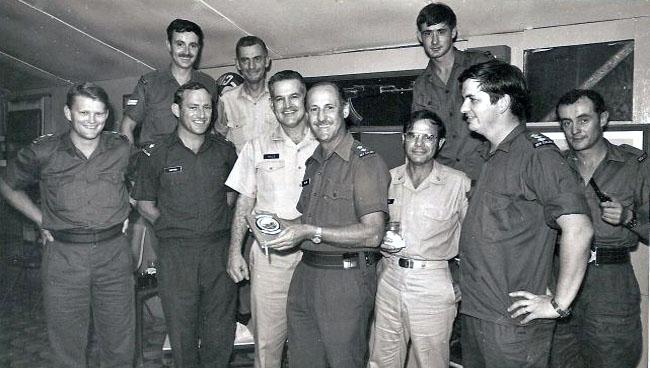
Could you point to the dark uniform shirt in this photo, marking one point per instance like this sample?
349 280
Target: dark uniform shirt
338 189
189 188
77 193
624 176
150 103
462 149
508 235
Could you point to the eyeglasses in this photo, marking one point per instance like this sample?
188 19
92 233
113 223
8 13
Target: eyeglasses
429 138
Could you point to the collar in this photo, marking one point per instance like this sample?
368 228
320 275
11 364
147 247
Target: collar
175 139
507 141
168 73
244 95
67 144
613 154
343 150
459 58
436 176
278 134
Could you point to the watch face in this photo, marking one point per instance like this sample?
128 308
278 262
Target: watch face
267 224
316 239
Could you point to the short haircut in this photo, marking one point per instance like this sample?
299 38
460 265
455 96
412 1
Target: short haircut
497 79
426 115
250 41
189 86
574 95
285 75
89 90
337 88
436 13
182 25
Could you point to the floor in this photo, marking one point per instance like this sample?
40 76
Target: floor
23 335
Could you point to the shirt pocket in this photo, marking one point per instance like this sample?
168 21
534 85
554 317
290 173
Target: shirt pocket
109 190
501 218
64 193
269 175
437 219
338 200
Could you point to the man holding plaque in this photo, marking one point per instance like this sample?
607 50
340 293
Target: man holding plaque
267 176
415 295
343 205
181 190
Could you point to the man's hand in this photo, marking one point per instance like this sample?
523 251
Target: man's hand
125 226
290 237
613 213
237 268
46 236
535 306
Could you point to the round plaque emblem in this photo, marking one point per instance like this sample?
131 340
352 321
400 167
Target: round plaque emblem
267 224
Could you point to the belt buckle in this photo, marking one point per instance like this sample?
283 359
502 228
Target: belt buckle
350 260
405 263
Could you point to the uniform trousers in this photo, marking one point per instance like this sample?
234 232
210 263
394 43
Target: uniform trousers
415 304
604 328
328 315
270 280
492 345
199 300
81 280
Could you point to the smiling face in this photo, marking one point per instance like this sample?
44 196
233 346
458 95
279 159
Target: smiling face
194 112
184 49
288 102
582 125
477 108
326 113
87 117
252 63
421 143
437 39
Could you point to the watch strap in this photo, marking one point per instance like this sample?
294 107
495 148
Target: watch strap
562 312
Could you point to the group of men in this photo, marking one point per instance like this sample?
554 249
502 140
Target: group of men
476 182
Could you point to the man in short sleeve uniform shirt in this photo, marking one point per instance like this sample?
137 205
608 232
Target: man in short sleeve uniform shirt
180 189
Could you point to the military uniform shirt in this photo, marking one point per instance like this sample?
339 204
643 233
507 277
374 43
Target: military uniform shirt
189 187
270 169
242 118
462 149
77 193
341 188
624 176
431 214
150 102
508 236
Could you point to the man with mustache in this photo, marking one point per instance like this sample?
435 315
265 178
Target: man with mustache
149 105
86 268
181 190
343 205
525 193
437 88
604 329
267 176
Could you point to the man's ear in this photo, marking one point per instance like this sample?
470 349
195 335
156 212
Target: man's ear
176 110
604 118
169 46
67 113
503 103
346 109
441 142
419 36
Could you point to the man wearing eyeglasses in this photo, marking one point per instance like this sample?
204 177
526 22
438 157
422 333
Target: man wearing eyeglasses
415 297
437 88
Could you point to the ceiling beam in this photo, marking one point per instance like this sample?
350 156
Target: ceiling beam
36 68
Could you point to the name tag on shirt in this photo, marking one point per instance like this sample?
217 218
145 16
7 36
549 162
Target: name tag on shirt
391 200
173 169
271 156
304 183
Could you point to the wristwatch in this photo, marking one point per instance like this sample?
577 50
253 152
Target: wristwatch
562 312
316 239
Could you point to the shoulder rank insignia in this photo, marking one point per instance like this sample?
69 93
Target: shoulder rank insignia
363 151
148 149
43 137
642 157
540 140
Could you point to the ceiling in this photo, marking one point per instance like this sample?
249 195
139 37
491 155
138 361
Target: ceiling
47 43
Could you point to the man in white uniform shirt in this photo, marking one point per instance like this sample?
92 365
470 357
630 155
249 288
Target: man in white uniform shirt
267 175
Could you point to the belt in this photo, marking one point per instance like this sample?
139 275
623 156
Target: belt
601 256
87 236
420 264
339 260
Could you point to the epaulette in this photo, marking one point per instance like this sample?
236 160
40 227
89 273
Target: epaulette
218 137
640 155
362 151
539 140
43 138
115 134
149 148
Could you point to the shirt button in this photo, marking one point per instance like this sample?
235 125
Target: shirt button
457 160
446 91
313 194
451 114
